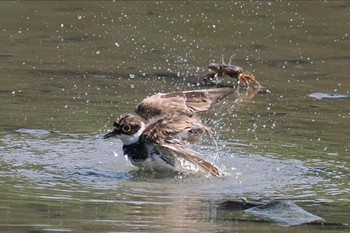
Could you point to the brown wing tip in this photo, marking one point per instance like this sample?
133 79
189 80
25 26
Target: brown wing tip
211 169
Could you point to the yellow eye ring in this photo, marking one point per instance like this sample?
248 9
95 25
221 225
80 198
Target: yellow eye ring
126 128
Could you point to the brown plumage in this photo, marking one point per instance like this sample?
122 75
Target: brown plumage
171 123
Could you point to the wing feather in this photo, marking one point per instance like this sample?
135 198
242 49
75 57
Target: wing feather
160 129
186 102
191 161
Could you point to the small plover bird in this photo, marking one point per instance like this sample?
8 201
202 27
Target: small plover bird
160 142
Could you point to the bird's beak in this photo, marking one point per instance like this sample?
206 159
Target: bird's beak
110 134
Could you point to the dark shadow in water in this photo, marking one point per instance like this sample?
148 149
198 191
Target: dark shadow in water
138 175
103 174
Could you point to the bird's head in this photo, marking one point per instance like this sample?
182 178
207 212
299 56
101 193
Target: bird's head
128 128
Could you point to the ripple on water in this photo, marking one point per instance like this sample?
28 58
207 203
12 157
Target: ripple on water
259 176
89 172
91 161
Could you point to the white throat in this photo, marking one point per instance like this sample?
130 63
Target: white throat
131 139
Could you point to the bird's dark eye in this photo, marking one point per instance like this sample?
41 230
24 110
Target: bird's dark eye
126 128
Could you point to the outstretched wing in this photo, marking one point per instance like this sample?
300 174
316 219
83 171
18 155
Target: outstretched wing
172 115
174 126
185 103
185 159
